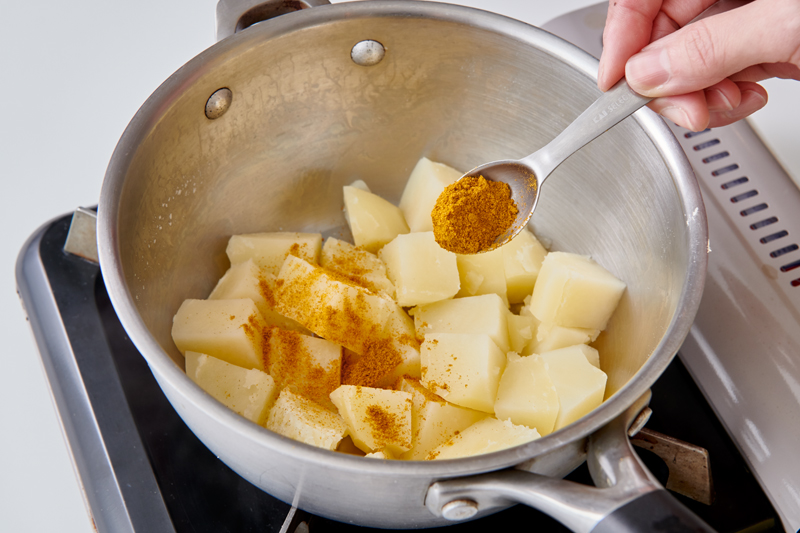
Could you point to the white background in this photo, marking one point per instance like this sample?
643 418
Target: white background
73 74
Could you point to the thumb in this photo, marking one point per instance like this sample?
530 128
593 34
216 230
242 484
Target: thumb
707 51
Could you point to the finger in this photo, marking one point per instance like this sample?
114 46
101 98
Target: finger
632 24
689 111
676 14
627 30
754 97
765 71
723 96
705 52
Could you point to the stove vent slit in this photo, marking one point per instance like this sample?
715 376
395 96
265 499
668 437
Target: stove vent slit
755 209
744 196
716 157
791 266
783 251
773 237
766 222
725 170
734 183
707 144
691 134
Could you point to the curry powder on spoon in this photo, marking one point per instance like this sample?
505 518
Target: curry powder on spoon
471 213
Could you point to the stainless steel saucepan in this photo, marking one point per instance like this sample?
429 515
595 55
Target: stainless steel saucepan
261 131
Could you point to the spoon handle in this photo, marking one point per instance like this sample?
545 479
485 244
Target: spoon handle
613 106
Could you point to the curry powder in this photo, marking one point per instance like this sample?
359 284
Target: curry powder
471 213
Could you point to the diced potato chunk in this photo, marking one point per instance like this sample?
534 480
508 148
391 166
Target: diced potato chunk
362 267
591 354
333 308
574 291
376 418
246 280
526 394
373 221
521 331
427 181
306 421
433 420
522 260
309 366
381 454
552 337
579 384
422 271
269 250
226 329
477 314
248 392
482 274
464 369
485 436
408 366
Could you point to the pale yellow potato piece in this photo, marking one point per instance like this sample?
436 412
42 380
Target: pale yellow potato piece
269 250
433 419
422 271
374 327
526 394
522 260
310 366
521 331
574 291
464 369
427 181
362 267
410 365
591 354
579 384
373 221
361 184
246 280
306 421
226 329
552 337
333 308
482 274
485 314
485 436
376 418
381 454
248 392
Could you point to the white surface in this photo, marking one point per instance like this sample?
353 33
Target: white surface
74 74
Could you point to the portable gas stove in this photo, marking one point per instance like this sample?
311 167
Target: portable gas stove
142 470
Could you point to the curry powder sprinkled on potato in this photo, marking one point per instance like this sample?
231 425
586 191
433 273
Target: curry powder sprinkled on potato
471 213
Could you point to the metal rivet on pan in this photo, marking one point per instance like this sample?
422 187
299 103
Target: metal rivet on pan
459 510
219 103
639 422
367 53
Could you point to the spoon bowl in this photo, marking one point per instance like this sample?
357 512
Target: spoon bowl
526 176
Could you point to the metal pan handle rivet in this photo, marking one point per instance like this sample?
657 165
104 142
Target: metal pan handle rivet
367 53
219 103
459 510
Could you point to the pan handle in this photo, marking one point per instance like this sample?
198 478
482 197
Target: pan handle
236 15
627 498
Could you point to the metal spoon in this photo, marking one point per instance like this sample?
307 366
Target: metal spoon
526 176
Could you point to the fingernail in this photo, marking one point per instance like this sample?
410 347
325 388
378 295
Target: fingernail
676 115
648 70
600 74
718 102
756 96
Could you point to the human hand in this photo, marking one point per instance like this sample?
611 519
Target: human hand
702 74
